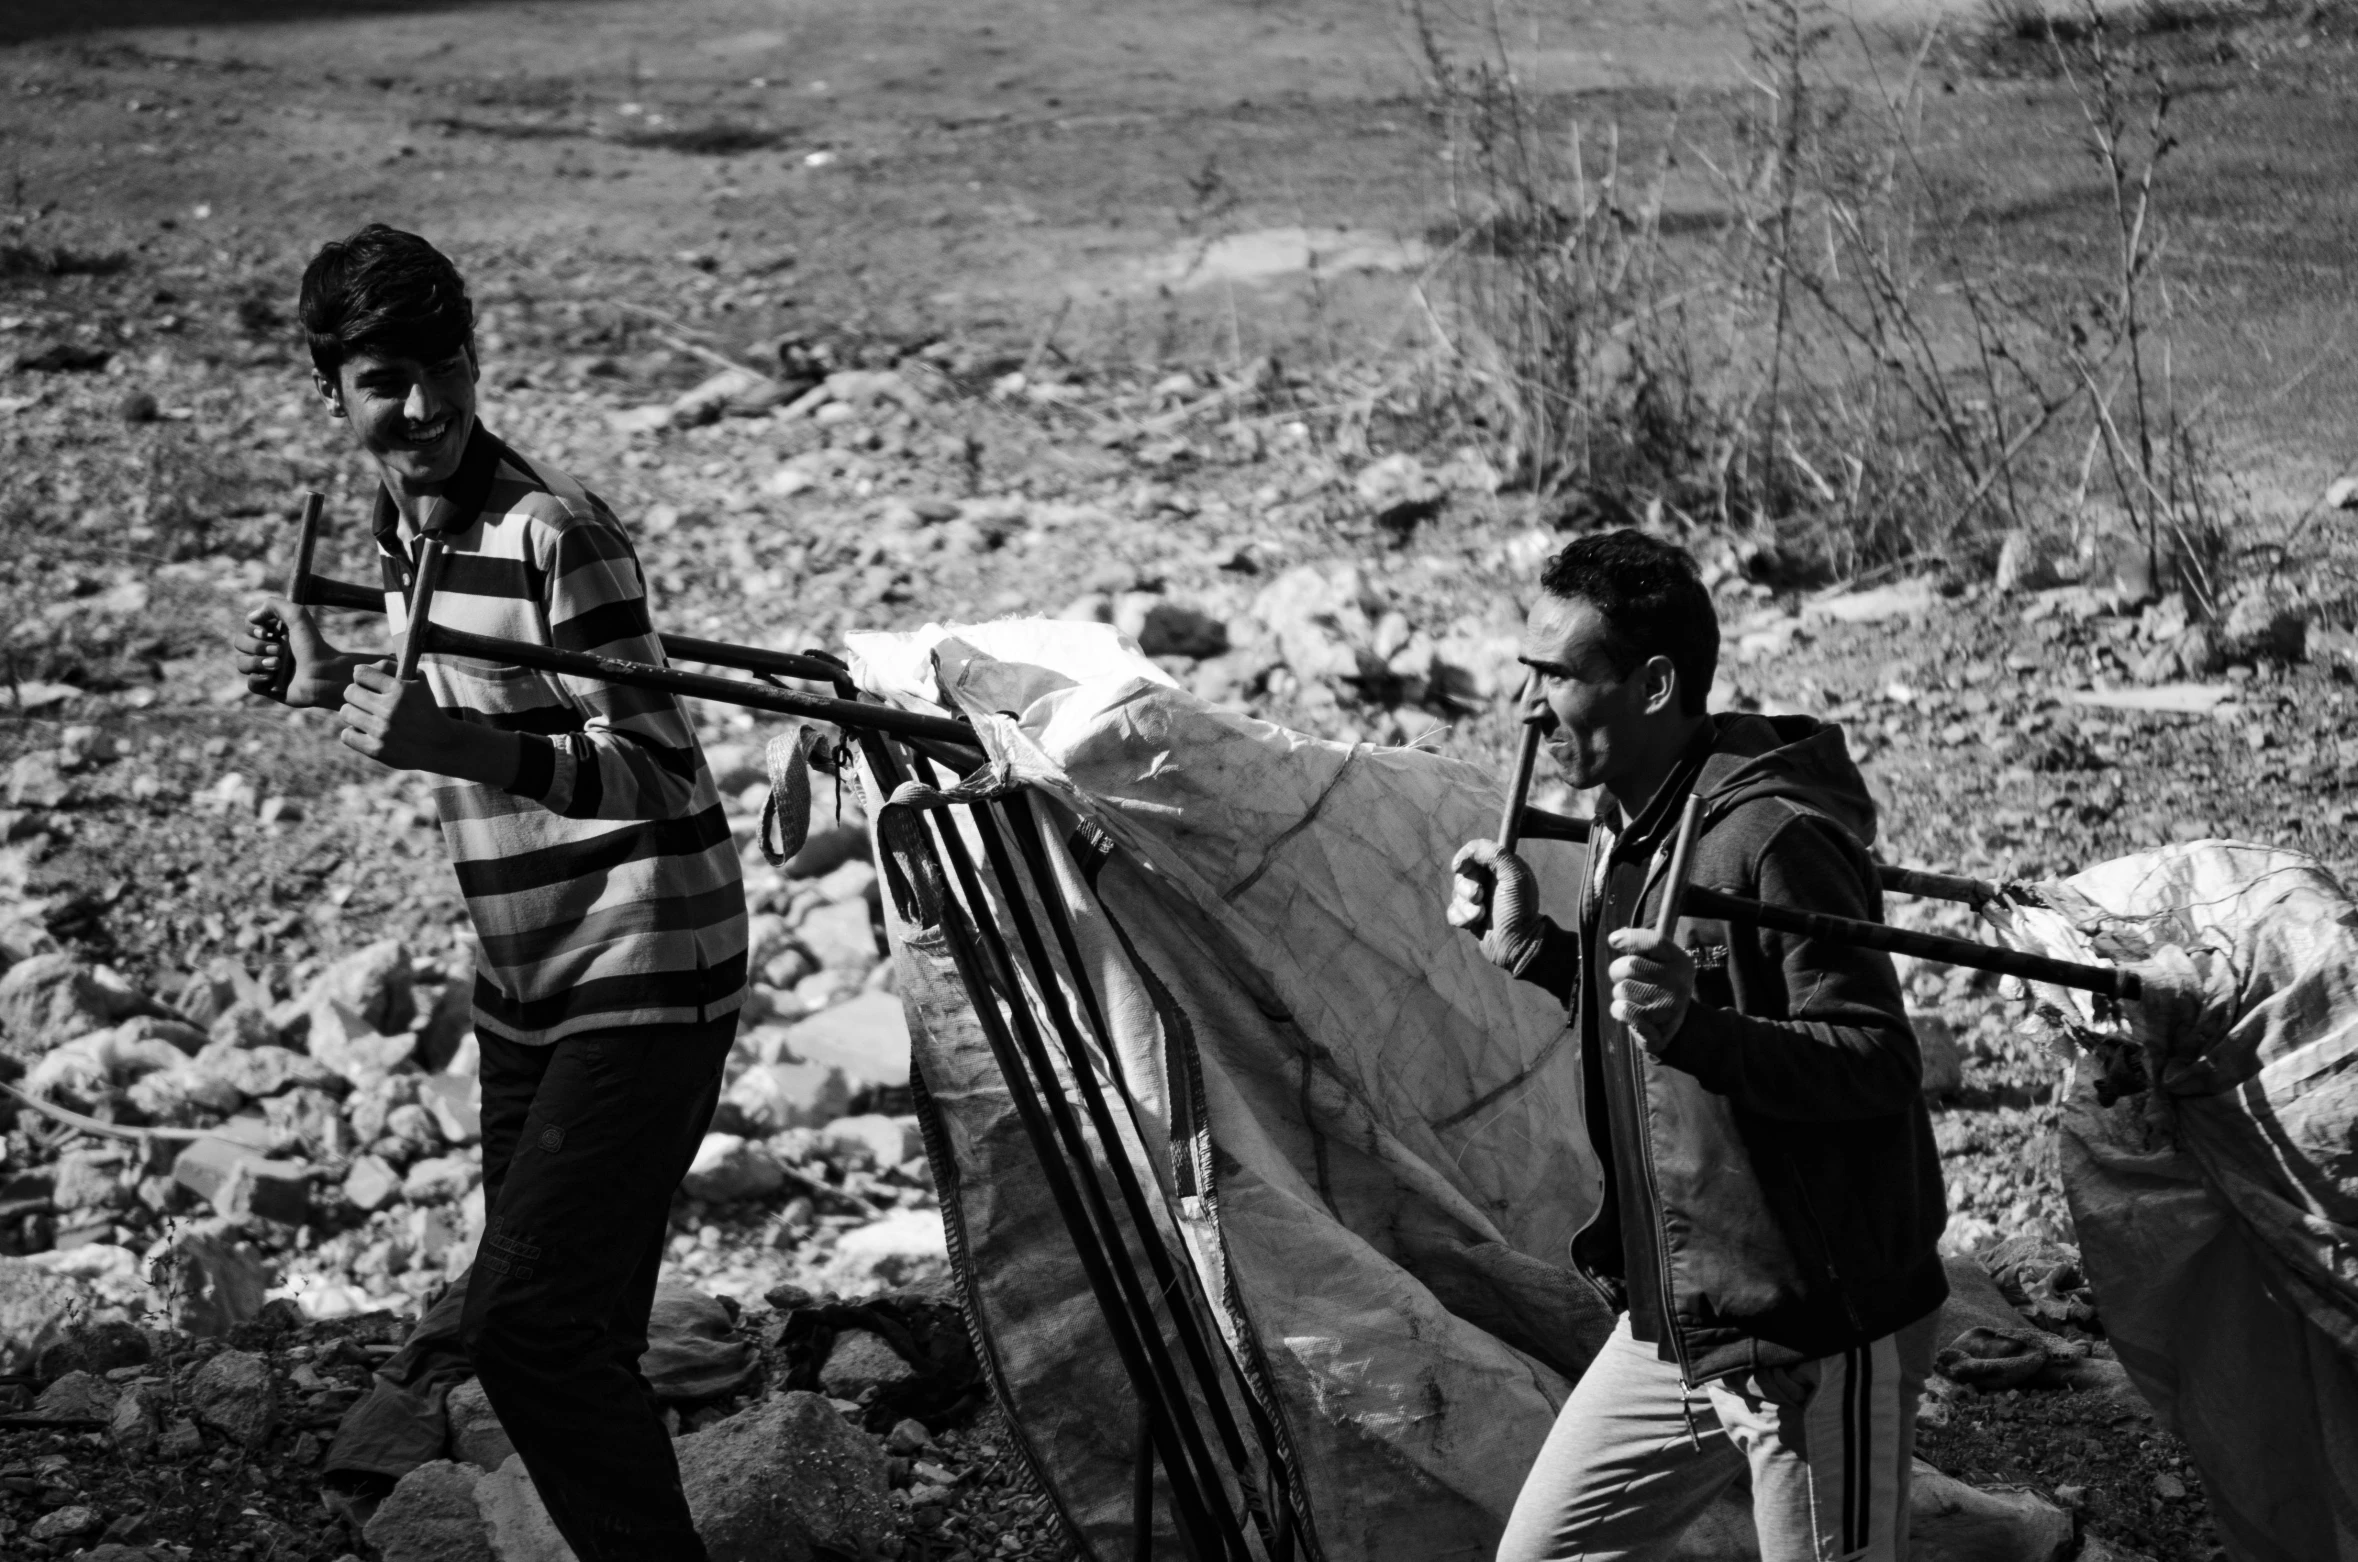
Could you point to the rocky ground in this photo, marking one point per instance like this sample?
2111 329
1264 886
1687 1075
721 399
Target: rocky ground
234 1004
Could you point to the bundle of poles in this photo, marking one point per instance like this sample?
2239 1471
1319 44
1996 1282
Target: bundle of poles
1223 1505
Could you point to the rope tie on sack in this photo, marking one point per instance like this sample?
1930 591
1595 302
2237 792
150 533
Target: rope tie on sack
993 780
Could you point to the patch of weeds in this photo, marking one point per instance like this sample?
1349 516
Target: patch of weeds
714 138
1831 373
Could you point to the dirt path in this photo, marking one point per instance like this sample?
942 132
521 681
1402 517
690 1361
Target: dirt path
1018 162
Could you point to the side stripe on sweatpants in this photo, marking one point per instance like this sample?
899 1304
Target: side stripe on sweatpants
1855 1453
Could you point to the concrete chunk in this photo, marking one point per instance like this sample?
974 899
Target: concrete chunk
238 1182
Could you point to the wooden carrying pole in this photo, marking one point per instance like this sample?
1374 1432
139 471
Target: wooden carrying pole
1682 860
954 742
2107 981
422 590
299 575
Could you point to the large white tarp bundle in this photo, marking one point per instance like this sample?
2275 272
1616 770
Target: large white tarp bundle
1366 1142
2211 1162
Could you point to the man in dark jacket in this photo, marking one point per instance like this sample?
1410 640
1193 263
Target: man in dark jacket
1772 1198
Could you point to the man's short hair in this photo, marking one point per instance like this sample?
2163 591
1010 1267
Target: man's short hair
1653 602
386 292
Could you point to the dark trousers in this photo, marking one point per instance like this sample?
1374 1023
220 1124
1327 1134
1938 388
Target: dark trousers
584 1143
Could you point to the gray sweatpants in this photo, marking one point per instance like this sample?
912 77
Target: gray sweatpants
1634 1457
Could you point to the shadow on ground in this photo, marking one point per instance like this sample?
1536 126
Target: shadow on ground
27 21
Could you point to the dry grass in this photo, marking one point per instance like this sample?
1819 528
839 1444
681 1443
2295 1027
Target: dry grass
1835 373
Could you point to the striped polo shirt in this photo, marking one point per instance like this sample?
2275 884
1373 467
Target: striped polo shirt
603 883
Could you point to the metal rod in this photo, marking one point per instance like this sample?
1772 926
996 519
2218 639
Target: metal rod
1682 858
757 696
1167 1279
421 603
1202 1468
1022 1058
2107 981
1142 1498
323 592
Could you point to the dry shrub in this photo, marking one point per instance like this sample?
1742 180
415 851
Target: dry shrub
1828 363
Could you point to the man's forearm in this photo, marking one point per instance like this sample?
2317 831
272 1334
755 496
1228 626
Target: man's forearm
484 755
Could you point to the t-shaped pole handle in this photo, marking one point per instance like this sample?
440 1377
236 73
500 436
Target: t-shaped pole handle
421 604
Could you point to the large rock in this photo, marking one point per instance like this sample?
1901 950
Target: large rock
1163 627
770 1098
883 1142
727 1169
265 1070
233 1394
91 1062
787 1480
136 1424
88 1179
216 1283
519 1523
185 1094
442 1179
374 983
371 1184
904 1248
237 1182
79 1396
861 1360
36 1310
1949 1521
694 1353
342 1038
47 1000
866 1036
1322 617
475 1433
828 847
839 936
433 1516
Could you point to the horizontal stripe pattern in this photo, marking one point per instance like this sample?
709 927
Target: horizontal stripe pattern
603 884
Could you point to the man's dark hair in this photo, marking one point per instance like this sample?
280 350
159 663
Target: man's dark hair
1653 602
387 292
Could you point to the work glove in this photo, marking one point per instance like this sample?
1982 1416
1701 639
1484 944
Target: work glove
1653 984
1495 898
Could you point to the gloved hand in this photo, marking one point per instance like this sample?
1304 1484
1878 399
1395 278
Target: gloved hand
1653 983
1495 898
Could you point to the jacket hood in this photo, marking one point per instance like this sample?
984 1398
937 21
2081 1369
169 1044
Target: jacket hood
1796 757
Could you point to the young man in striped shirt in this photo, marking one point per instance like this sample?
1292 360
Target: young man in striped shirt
589 841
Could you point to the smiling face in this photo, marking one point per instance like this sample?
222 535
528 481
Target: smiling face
1605 728
412 418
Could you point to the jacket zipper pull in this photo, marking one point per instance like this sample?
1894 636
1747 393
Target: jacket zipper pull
1687 1408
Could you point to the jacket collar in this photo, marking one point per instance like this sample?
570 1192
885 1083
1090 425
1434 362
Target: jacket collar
1662 809
455 508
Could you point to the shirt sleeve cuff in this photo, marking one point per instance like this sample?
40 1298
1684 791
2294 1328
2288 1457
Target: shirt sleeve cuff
536 768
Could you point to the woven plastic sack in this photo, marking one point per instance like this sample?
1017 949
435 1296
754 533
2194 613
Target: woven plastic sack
2210 1157
1366 1143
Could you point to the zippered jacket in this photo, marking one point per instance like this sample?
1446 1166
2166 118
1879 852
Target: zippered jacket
1772 1192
